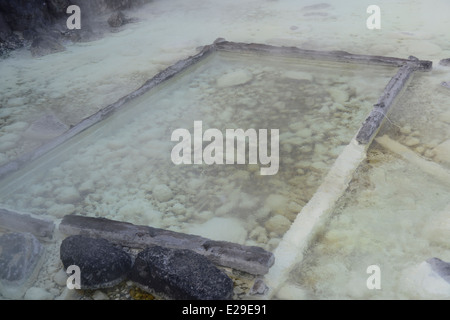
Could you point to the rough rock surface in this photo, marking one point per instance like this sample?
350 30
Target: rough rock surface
20 257
8 40
44 45
21 15
180 274
116 20
36 19
101 264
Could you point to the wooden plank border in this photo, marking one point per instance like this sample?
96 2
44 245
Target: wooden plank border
20 222
373 122
104 113
250 259
336 56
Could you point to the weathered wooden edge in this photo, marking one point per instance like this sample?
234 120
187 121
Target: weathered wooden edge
250 259
105 112
337 56
20 222
373 122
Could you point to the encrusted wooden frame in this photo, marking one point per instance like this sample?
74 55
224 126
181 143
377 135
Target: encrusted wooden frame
365 135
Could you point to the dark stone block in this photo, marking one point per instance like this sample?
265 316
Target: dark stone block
180 274
10 43
30 34
35 18
101 264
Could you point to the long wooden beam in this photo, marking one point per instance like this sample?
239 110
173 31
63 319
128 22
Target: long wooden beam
337 56
20 222
250 259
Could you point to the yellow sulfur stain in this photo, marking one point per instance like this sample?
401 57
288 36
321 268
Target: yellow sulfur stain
139 294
